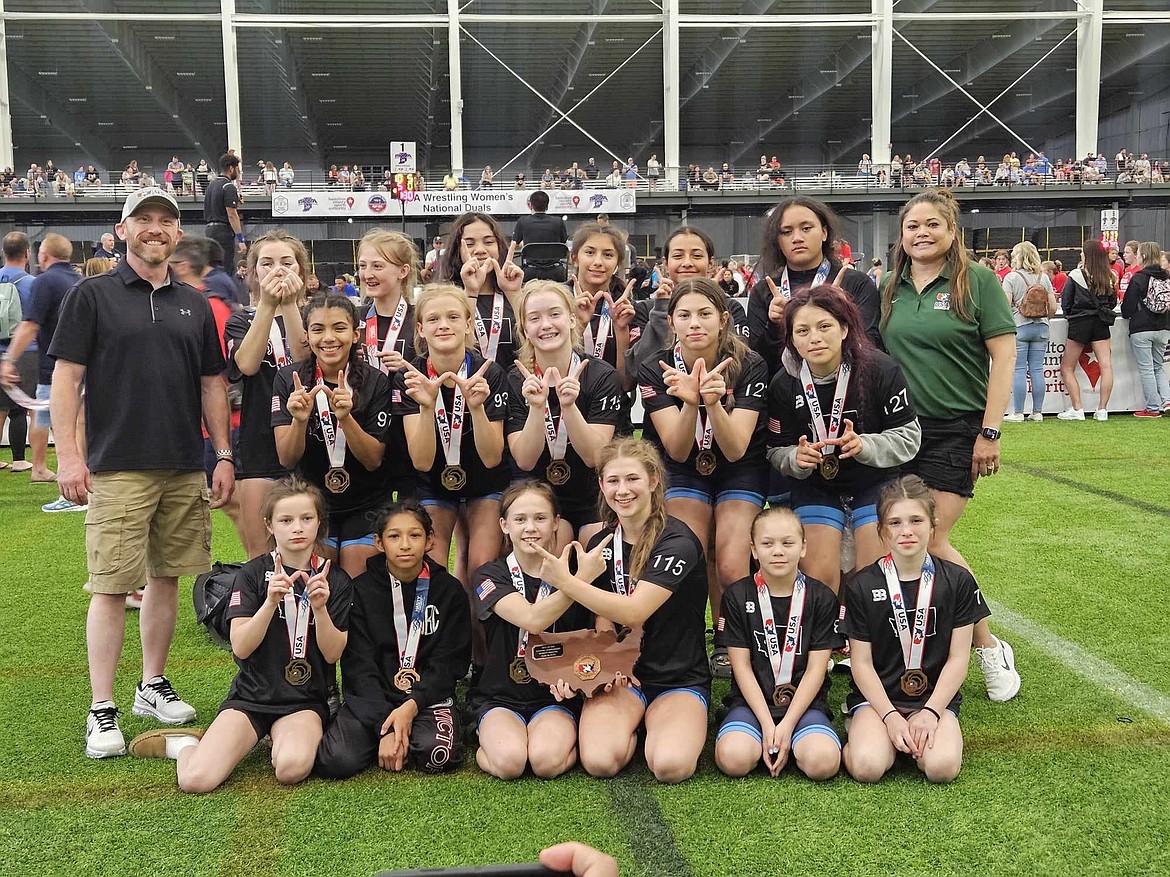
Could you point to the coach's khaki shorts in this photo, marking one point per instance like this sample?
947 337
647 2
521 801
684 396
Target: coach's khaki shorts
149 522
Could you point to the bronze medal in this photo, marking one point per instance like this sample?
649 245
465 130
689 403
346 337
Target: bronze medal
298 671
337 480
558 472
454 478
705 462
405 678
829 467
519 672
783 695
914 683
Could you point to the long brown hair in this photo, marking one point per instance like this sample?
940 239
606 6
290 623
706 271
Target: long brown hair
958 262
617 237
645 454
730 344
517 489
295 485
771 256
1100 277
276 236
451 262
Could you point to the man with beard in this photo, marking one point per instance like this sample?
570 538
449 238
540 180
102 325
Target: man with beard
146 349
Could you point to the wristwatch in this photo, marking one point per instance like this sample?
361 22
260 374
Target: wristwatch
990 433
223 454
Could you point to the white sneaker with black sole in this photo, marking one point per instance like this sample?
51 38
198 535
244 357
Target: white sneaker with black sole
998 664
156 698
103 737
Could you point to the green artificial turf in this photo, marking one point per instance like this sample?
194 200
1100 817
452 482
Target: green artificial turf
1068 778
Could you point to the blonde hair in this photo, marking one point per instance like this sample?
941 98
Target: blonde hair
276 236
1025 257
58 246
525 352
958 262
97 265
777 511
397 249
645 454
1150 252
429 295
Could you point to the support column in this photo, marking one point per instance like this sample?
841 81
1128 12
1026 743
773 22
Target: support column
455 69
670 93
6 156
231 77
881 99
1089 28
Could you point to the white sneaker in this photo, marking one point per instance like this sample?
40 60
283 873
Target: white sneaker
61 504
1036 417
103 737
1101 414
134 599
158 700
1018 417
1072 414
998 664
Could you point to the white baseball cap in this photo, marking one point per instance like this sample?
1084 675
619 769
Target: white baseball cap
149 195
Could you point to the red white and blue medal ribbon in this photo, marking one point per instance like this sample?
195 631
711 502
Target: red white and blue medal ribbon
619 564
487 338
704 429
331 432
556 436
603 324
913 639
821 276
518 583
450 430
781 656
396 323
408 639
814 406
296 611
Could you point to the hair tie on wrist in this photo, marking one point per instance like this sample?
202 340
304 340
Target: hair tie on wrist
933 711
890 713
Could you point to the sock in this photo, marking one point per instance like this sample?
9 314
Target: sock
176 743
101 704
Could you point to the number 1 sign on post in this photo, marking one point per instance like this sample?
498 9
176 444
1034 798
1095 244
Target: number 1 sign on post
403 157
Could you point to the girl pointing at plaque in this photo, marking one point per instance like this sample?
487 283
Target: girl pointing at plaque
409 640
655 578
909 619
289 612
840 422
520 721
331 419
563 406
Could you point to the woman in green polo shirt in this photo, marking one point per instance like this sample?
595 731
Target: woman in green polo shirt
948 324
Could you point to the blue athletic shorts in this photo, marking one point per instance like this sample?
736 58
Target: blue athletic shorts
524 714
650 693
744 720
816 506
743 481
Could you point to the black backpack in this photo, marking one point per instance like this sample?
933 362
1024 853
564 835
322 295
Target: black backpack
211 594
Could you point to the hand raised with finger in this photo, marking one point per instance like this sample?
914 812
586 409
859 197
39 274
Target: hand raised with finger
423 389
591 564
534 389
300 401
776 303
665 288
317 587
280 583
474 275
622 313
849 443
509 275
686 385
341 399
713 387
808 455
585 305
569 387
475 389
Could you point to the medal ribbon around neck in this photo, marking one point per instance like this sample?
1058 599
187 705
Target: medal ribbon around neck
489 339
450 430
814 405
396 323
556 435
296 611
619 564
782 658
704 429
821 276
408 639
603 324
279 345
518 583
331 431
913 641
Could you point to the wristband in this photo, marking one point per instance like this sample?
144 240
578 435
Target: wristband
223 454
8 358
887 715
933 711
240 238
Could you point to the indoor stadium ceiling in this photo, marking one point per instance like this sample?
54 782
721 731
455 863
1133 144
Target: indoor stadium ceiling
339 94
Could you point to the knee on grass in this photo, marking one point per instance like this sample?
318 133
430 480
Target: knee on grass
505 763
292 768
940 769
550 760
197 781
604 762
737 757
819 761
672 768
866 766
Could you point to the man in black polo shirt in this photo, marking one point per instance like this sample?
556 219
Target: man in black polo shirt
540 228
146 348
221 212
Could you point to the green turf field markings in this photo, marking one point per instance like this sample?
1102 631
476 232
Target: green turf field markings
1102 673
1121 498
651 840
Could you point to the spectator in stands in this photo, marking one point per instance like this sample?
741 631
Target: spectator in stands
1088 299
450 181
62 185
1149 330
865 166
521 182
726 177
270 178
653 171
547 180
105 248
358 179
614 180
541 228
486 177
202 177
331 176
79 178
287 175
173 174
710 178
962 172
1031 331
575 177
387 184
92 177
131 176
344 177
592 171
630 172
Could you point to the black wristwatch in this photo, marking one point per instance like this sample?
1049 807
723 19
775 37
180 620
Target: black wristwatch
990 433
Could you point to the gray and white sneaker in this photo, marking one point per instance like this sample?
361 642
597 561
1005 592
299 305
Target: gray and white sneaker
103 737
156 698
998 664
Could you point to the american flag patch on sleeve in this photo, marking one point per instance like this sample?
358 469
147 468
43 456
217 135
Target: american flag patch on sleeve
235 600
486 587
719 625
647 391
774 425
275 404
396 397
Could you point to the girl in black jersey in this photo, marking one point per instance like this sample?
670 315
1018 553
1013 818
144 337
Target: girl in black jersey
522 722
331 419
478 258
604 309
389 268
704 396
840 423
409 641
563 406
259 341
289 613
655 578
909 618
453 403
778 627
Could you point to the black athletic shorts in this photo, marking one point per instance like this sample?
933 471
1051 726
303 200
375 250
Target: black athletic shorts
1086 330
944 458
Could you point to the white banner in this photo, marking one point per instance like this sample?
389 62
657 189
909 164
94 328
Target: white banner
402 156
499 202
337 203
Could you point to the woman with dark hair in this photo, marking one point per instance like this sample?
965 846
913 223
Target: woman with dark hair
841 423
1087 301
479 259
798 252
1149 329
948 324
